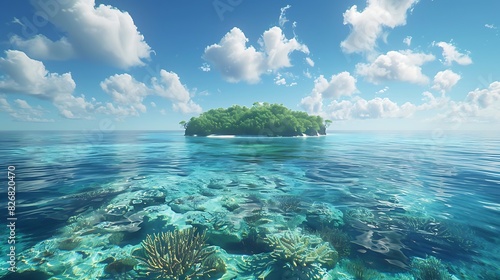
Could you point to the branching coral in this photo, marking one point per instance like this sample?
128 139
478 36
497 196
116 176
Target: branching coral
429 268
339 240
178 255
300 250
358 269
454 234
289 204
257 265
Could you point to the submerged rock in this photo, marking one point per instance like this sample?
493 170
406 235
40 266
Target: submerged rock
129 223
98 194
360 218
147 198
231 203
116 238
117 212
69 244
220 231
187 203
321 215
120 266
216 184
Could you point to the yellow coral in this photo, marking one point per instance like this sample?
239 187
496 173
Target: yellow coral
302 250
176 255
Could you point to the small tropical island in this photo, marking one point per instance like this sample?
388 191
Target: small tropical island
262 119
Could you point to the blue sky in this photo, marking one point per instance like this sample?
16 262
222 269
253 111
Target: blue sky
377 64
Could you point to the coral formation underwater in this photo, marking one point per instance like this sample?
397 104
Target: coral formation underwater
177 255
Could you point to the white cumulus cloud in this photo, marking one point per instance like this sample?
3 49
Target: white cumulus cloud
432 102
342 84
451 54
368 25
396 65
360 108
102 33
187 107
234 59
41 47
23 75
278 48
237 62
445 80
169 86
23 112
313 103
485 98
480 105
127 92
22 104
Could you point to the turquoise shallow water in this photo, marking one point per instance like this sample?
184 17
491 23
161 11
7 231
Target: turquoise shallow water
395 197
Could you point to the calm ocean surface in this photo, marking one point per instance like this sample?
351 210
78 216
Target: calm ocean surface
400 196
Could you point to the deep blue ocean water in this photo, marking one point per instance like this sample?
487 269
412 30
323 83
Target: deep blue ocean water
402 194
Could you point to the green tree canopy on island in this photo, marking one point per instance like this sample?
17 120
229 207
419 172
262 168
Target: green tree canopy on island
261 119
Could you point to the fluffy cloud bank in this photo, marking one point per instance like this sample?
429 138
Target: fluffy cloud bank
485 98
445 80
238 62
342 84
128 94
27 76
396 65
368 25
19 74
360 108
101 33
169 86
22 111
480 105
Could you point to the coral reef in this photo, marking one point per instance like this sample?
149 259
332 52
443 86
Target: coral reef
339 240
69 244
359 271
147 198
323 215
120 266
289 204
187 203
176 255
429 268
442 232
258 266
360 214
300 250
116 238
